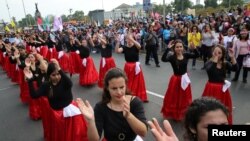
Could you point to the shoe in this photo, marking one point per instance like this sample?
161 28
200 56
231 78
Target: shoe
147 64
244 80
235 79
158 65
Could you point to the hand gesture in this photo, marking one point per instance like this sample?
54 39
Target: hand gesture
16 54
27 73
126 107
27 62
56 63
170 44
86 109
39 57
159 134
231 52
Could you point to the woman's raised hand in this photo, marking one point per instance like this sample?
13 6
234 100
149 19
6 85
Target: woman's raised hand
27 62
86 109
27 73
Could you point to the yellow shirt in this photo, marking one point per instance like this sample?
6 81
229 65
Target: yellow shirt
194 39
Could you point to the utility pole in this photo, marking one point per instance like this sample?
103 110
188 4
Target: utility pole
26 20
8 9
164 12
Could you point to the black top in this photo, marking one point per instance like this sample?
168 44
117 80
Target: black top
218 75
72 47
50 43
84 52
131 53
59 96
113 122
106 52
179 66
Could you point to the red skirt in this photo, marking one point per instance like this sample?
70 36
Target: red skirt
176 100
28 48
67 128
16 78
46 117
109 63
12 71
44 51
34 106
64 62
215 90
7 65
88 74
24 89
136 82
74 63
1 58
51 53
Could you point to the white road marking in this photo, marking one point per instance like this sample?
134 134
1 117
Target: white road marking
155 94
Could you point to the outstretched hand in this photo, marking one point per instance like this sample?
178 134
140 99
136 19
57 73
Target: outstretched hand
159 134
86 109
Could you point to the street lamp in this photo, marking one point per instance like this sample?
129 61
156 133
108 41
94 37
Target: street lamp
164 12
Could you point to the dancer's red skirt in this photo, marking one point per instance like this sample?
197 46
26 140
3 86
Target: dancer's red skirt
1 58
215 90
67 128
176 100
24 89
34 106
88 74
51 53
74 63
136 82
46 112
64 62
44 51
109 63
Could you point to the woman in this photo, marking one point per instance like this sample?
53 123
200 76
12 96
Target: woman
200 114
208 38
119 115
107 61
241 47
194 41
88 73
178 95
67 124
136 82
217 86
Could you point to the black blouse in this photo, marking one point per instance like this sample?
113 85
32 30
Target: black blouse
84 52
218 75
59 96
106 52
113 123
179 66
131 53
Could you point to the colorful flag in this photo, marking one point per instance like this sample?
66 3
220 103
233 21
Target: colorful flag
12 23
57 24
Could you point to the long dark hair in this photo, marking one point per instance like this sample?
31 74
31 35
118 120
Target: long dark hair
197 110
51 68
112 73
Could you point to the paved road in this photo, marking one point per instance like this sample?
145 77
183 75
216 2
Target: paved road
15 124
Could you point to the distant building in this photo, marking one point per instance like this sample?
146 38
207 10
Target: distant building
97 16
125 11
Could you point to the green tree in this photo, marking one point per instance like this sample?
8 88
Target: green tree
78 15
211 3
181 5
198 6
64 18
227 3
29 19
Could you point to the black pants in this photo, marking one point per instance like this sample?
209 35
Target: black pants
151 49
240 64
206 53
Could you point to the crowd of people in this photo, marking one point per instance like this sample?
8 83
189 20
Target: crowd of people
42 63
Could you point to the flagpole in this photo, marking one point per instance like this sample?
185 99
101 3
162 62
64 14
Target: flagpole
8 9
25 14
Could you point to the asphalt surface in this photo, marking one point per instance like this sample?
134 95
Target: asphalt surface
15 124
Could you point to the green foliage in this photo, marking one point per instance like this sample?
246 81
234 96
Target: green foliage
211 3
181 5
78 16
198 6
226 3
159 8
64 18
27 21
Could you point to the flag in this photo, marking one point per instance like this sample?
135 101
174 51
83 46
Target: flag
6 28
57 24
157 16
12 23
152 14
46 25
39 24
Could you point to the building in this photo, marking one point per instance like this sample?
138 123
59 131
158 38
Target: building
97 16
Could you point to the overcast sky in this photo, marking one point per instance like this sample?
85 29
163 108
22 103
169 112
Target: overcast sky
59 7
